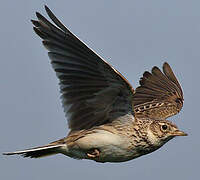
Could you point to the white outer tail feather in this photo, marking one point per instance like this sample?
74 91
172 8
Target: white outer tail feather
39 152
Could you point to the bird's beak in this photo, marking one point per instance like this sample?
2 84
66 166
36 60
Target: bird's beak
179 133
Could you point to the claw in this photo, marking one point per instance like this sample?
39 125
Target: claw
94 153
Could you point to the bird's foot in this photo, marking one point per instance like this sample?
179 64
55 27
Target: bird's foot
94 153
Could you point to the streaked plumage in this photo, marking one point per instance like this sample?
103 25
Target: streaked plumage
159 95
109 121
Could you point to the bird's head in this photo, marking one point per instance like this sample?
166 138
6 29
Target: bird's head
161 131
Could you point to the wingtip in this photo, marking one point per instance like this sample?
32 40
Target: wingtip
154 69
146 74
35 23
166 64
39 15
47 9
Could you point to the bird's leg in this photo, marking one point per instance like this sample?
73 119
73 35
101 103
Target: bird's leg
93 153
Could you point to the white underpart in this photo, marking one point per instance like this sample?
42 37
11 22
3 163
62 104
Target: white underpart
112 147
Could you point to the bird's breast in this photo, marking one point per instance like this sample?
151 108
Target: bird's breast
113 147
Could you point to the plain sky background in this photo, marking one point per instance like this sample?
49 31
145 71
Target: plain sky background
133 36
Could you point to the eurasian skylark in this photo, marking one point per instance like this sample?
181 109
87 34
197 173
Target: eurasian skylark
109 120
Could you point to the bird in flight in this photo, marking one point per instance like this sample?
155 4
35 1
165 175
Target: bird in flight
109 121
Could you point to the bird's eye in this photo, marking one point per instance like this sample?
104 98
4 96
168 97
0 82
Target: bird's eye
164 127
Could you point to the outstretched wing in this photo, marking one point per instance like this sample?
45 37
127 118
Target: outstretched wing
159 94
93 92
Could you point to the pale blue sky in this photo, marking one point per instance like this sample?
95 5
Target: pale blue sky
133 36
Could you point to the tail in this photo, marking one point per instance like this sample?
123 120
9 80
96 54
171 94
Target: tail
42 151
